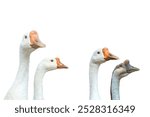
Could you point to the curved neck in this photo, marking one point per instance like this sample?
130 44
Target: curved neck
93 81
19 89
114 90
38 84
23 70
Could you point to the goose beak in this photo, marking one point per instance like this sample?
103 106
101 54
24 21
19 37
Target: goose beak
108 55
130 68
133 69
60 65
35 41
112 57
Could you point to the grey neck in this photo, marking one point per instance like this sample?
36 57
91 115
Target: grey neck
114 90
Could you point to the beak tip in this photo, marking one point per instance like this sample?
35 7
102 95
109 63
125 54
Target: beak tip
134 70
65 67
117 58
43 46
138 69
112 57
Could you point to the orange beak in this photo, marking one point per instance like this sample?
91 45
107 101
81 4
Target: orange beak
108 55
35 41
59 64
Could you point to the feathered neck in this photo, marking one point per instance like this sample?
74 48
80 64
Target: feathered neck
19 89
93 81
38 83
114 91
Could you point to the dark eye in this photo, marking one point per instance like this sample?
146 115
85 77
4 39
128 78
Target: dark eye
25 36
98 52
52 60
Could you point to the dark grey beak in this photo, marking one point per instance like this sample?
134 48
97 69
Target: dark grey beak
132 69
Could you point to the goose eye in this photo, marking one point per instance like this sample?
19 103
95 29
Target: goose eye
25 36
98 52
52 60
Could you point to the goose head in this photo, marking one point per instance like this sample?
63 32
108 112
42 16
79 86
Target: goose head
51 64
124 69
102 55
31 41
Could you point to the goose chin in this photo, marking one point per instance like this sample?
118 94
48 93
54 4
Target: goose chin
38 45
62 67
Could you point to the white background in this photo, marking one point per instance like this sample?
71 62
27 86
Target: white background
72 31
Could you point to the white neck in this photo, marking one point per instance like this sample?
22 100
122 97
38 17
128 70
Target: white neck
115 82
38 84
19 89
93 81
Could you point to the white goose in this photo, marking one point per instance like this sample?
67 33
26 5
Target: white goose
19 88
119 72
99 56
44 66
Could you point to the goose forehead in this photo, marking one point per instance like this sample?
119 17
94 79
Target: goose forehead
101 50
27 33
49 59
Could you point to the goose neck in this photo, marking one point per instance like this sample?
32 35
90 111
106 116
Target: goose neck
93 81
115 83
38 84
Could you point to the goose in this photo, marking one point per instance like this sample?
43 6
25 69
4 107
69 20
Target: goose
119 72
19 88
44 66
99 56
